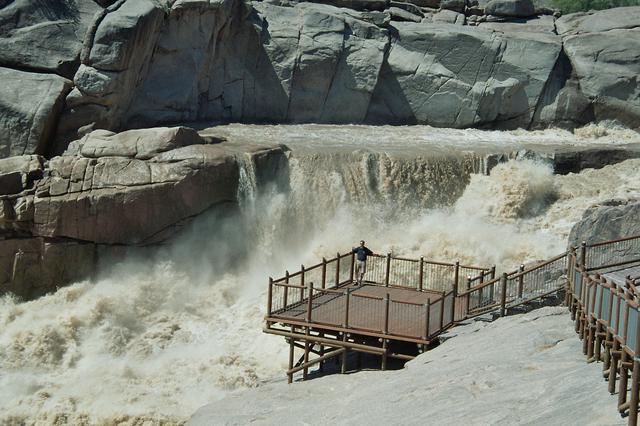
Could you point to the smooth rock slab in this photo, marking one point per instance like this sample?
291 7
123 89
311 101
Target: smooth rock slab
29 107
607 221
452 76
45 35
604 50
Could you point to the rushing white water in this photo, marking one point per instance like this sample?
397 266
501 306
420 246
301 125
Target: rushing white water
158 337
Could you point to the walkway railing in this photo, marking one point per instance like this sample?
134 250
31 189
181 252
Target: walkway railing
606 311
319 295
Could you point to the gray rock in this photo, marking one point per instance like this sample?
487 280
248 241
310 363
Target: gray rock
143 190
140 144
619 18
29 107
486 80
604 50
19 173
357 4
398 14
511 8
542 24
455 5
45 36
314 63
448 17
33 267
409 7
606 221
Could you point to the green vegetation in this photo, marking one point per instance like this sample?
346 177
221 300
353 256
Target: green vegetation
571 6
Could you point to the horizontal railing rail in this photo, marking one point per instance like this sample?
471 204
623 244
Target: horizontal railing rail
612 253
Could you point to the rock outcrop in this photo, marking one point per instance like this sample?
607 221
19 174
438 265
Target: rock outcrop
109 190
29 108
143 63
606 221
604 50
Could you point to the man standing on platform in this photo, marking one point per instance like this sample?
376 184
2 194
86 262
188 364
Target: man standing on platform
361 260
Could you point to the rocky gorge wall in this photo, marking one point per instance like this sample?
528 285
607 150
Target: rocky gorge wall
78 185
71 67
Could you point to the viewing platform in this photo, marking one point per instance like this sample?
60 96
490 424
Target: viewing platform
403 305
400 309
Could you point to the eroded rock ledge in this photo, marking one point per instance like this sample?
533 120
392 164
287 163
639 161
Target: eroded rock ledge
108 191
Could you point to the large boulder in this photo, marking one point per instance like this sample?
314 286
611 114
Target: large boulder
453 76
604 50
30 104
510 8
45 35
606 221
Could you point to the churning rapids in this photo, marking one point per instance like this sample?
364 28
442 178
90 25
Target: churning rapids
159 336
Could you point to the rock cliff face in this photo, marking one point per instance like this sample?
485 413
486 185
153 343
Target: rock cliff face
109 191
142 63
609 220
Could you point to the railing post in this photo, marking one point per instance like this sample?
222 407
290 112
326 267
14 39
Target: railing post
481 289
286 289
386 277
456 277
453 307
635 379
442 311
346 309
270 297
310 301
302 282
338 270
324 272
520 281
386 314
353 267
468 295
421 274
427 308
503 296
583 254
492 288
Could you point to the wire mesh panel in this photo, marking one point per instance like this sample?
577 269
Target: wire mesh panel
346 265
376 269
613 252
632 328
331 281
404 273
277 298
434 316
439 276
366 313
314 275
448 309
537 280
406 319
485 295
606 298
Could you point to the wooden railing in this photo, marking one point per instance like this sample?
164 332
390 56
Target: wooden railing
458 291
607 314
310 295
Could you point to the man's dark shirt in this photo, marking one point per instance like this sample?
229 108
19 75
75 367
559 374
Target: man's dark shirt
362 253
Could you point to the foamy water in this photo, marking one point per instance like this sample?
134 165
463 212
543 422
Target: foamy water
156 338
